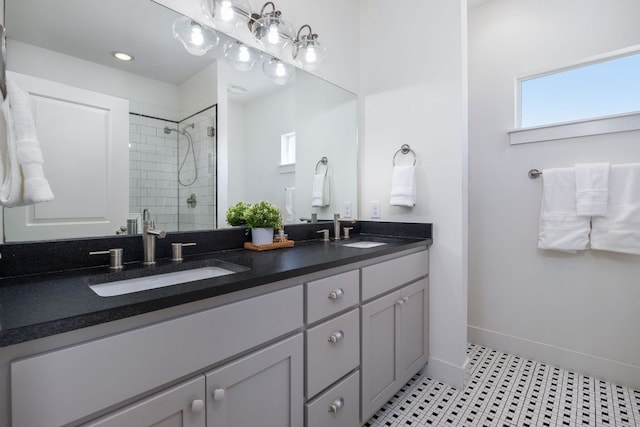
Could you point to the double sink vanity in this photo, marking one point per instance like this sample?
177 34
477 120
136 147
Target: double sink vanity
321 334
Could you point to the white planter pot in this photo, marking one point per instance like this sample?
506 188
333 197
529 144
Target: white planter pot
262 236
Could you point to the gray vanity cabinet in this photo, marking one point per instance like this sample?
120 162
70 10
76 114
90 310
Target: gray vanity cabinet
332 343
179 406
394 332
262 389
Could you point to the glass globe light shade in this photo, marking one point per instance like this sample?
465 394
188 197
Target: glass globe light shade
196 38
279 72
241 56
228 15
273 32
310 53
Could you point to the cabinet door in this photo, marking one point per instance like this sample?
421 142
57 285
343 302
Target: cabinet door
413 349
394 343
380 334
179 406
263 389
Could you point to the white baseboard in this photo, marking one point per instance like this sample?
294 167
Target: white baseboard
597 367
445 372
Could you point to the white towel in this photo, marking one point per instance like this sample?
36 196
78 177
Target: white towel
289 204
10 174
560 228
592 189
619 231
403 186
23 180
320 192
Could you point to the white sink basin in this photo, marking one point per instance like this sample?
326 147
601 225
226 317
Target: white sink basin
363 244
127 286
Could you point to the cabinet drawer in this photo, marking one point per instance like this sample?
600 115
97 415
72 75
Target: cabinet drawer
344 397
387 275
331 295
333 349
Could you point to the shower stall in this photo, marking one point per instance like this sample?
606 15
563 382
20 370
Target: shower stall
173 170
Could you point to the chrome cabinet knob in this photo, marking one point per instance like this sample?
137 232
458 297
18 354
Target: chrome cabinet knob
336 294
400 301
218 394
336 336
197 405
336 405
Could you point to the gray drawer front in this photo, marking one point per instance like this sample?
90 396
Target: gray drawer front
319 303
382 277
328 361
317 411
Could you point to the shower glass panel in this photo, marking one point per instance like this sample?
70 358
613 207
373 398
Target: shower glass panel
197 183
179 193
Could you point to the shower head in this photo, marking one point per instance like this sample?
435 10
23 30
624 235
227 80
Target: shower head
168 130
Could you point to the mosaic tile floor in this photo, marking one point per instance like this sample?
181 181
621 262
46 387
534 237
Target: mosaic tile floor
506 390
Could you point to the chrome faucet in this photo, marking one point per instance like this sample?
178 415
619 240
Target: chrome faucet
149 242
336 226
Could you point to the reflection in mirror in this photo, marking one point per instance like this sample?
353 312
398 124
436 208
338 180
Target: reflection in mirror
182 136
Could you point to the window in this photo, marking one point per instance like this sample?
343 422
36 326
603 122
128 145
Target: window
595 97
593 90
288 148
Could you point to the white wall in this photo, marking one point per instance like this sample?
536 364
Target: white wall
413 90
575 311
263 127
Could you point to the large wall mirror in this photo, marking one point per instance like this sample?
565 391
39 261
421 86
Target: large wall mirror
180 136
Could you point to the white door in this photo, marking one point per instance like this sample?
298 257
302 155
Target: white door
84 137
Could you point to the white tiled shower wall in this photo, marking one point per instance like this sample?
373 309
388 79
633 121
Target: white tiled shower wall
154 158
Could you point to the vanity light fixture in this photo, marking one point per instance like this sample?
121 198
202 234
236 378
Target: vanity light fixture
122 56
195 37
227 15
241 56
279 72
273 32
307 50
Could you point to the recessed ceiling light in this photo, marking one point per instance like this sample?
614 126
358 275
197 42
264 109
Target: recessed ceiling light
122 56
237 90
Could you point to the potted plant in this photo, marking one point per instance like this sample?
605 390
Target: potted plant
263 218
236 213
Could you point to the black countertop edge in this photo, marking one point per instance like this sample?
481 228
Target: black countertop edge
27 312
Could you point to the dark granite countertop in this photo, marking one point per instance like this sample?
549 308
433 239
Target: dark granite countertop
39 305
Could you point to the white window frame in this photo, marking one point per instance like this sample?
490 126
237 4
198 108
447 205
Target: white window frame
624 122
285 141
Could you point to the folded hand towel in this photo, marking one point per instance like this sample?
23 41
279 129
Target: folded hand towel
320 191
559 227
592 189
289 204
10 174
36 188
403 186
619 231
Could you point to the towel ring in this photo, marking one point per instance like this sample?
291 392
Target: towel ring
405 149
323 161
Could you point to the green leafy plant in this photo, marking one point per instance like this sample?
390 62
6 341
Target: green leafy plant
236 213
263 215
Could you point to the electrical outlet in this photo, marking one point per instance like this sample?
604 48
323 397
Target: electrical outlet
375 210
347 210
